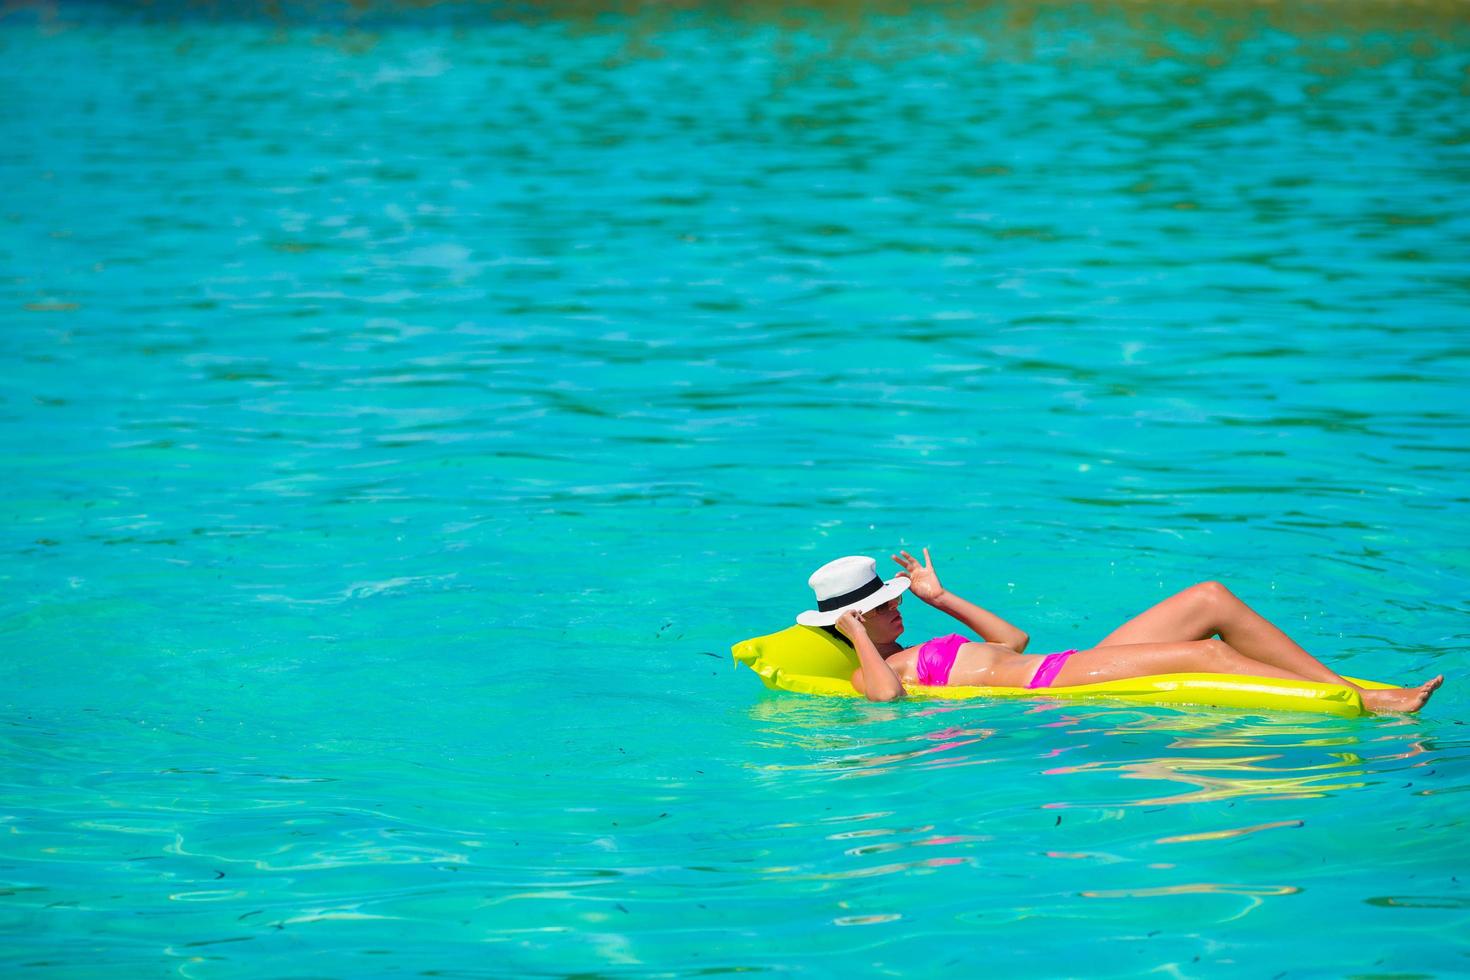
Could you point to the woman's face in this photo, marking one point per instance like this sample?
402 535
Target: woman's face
884 623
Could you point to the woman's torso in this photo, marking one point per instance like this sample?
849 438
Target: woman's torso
975 664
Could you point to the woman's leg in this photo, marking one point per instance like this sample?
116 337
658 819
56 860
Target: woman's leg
1122 661
1210 609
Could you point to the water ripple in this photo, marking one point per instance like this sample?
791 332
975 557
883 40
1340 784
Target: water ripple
408 405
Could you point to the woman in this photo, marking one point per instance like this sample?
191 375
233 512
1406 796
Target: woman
1179 635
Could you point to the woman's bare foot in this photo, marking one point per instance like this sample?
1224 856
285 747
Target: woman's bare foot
1401 698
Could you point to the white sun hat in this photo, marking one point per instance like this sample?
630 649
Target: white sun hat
850 582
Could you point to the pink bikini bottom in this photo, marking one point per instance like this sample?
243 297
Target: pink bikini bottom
1050 667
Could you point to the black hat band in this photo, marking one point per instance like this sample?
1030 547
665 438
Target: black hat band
848 598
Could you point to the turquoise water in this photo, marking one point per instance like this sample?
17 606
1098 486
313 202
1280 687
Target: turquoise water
405 410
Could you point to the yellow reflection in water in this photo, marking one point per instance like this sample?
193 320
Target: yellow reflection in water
925 864
1248 778
1194 888
865 920
1257 894
1226 834
874 756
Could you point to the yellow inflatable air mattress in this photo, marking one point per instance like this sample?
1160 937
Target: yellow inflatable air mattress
811 661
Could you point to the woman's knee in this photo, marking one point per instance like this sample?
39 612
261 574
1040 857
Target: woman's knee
1218 650
1212 594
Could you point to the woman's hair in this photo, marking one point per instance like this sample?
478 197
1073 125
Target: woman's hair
837 633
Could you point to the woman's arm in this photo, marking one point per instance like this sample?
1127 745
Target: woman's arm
990 627
875 680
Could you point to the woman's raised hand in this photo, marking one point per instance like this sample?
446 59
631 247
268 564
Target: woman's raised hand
923 582
850 624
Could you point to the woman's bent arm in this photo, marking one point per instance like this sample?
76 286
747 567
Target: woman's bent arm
875 680
992 628
925 584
